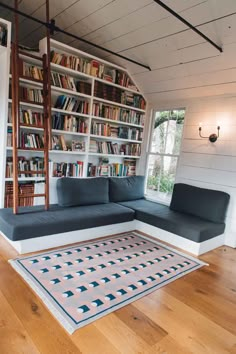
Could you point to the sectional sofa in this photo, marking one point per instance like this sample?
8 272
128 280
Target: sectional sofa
93 207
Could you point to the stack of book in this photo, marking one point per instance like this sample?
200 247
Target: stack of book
130 133
94 68
128 168
9 136
72 104
24 164
30 71
107 92
133 100
31 95
103 147
84 87
30 140
130 149
24 188
63 81
69 123
28 117
104 129
64 169
118 114
3 34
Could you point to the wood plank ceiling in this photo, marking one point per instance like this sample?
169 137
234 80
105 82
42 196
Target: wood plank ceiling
183 64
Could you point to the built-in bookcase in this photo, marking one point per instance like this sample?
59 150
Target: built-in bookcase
97 121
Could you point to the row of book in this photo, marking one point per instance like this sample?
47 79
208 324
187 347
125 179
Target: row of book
24 164
59 143
118 114
72 104
115 94
31 95
104 168
24 189
103 147
31 141
105 129
3 34
64 169
133 100
69 123
93 67
69 83
9 137
30 71
28 117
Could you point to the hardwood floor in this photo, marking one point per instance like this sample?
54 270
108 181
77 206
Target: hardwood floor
195 314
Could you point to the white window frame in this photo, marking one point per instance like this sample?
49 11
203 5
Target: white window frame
149 153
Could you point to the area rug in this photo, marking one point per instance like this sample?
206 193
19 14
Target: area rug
82 283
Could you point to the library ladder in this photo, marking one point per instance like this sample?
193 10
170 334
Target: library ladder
16 96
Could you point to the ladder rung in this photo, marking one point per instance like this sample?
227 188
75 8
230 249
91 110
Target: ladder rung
31 195
31 172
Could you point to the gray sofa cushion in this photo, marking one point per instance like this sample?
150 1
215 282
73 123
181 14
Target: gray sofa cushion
206 203
126 188
187 226
35 222
82 191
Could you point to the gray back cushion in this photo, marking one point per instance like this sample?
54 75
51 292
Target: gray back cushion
205 203
126 188
82 191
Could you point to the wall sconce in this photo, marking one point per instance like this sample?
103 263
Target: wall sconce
213 137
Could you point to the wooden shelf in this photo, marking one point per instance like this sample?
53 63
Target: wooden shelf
113 155
110 138
70 92
112 103
117 122
28 127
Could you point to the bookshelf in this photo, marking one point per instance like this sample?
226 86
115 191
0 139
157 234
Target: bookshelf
89 133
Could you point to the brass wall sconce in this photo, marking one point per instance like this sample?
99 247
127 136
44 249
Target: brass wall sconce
213 137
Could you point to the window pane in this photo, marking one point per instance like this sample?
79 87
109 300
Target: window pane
161 177
159 132
174 134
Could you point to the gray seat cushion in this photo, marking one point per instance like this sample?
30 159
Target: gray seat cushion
126 188
82 191
35 222
206 203
187 226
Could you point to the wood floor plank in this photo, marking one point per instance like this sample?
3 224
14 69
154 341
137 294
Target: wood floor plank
122 336
91 340
13 336
185 325
142 325
44 330
195 314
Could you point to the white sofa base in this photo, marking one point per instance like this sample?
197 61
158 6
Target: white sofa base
62 239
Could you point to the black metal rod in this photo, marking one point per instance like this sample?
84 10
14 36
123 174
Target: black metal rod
52 27
175 14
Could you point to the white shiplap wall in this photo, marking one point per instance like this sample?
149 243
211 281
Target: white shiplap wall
205 164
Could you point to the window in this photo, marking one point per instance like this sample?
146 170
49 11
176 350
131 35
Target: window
163 155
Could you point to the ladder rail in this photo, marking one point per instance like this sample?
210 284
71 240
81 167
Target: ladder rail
15 63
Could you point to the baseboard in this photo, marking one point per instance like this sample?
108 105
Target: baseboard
62 239
193 247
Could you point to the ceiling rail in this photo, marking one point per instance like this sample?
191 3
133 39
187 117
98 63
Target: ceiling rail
193 28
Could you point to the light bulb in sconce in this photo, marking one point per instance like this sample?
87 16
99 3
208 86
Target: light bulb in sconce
212 137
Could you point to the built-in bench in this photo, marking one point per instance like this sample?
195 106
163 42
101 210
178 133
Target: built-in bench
90 208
